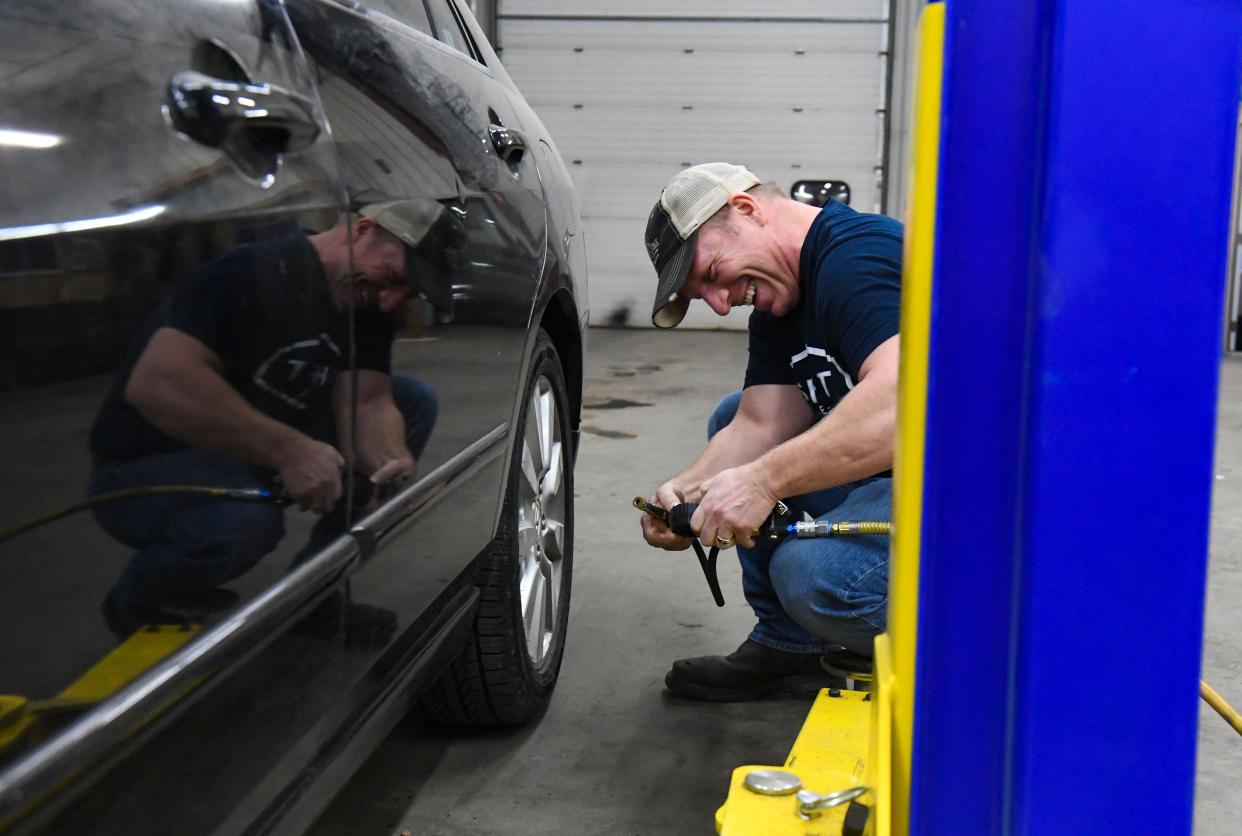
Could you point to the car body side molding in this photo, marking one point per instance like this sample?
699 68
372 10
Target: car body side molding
406 506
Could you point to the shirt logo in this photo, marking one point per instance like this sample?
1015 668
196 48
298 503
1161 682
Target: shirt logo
296 372
821 380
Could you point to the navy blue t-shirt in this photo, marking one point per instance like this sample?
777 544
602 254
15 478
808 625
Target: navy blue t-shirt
850 278
266 311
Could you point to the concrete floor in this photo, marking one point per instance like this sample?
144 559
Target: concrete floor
615 754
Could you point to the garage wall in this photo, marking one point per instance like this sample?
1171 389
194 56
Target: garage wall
634 91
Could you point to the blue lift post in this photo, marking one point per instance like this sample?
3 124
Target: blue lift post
1082 229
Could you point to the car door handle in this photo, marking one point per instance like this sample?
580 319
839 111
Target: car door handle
509 144
213 110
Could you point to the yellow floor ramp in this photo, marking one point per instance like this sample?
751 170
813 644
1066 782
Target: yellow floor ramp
125 663
819 789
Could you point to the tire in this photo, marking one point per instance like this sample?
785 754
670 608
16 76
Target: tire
506 674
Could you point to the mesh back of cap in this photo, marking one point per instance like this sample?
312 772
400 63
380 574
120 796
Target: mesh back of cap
697 193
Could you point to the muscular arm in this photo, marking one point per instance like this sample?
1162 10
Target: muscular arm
766 416
381 451
853 442
178 385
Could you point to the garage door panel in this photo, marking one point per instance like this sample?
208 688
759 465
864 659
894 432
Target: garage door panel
635 91
804 137
786 9
641 37
693 81
359 122
623 193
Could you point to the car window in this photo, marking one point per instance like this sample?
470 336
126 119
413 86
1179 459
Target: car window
446 27
410 12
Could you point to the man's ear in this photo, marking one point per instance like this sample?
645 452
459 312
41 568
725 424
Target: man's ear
745 204
362 225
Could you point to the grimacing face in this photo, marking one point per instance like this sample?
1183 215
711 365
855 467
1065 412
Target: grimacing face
736 263
378 278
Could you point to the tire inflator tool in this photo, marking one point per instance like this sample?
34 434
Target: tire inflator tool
678 520
781 522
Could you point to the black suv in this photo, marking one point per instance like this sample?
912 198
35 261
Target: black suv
292 306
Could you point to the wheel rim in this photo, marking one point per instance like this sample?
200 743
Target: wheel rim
541 521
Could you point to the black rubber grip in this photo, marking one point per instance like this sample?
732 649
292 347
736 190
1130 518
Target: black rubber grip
679 518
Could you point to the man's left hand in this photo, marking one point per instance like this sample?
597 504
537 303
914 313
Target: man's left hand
390 477
735 502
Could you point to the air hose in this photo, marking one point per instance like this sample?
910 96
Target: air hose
1222 707
244 494
823 528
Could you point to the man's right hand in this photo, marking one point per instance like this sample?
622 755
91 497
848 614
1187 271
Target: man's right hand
655 531
311 472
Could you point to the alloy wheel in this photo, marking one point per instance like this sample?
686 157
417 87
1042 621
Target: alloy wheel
541 520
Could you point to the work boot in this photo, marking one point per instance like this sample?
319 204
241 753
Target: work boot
124 618
842 662
750 672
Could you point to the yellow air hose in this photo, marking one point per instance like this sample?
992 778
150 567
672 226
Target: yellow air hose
1222 707
245 494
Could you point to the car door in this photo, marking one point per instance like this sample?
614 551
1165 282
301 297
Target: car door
418 118
142 145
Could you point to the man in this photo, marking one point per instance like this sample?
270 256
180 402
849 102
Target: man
814 423
242 375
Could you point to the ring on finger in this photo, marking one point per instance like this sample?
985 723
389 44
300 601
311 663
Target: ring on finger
724 542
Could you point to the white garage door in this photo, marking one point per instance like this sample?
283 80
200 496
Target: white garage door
635 90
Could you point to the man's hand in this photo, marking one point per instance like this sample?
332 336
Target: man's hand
390 477
735 502
311 472
655 531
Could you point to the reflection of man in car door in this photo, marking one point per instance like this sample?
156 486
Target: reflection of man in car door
243 374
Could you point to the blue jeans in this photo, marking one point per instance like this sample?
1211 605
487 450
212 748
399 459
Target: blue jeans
809 595
189 545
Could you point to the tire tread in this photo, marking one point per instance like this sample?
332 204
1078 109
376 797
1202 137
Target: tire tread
489 683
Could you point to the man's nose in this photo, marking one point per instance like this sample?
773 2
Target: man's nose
718 301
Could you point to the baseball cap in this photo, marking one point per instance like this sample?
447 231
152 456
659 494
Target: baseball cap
429 231
687 202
